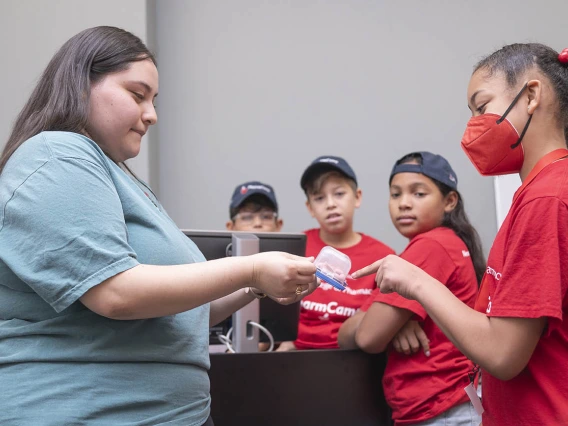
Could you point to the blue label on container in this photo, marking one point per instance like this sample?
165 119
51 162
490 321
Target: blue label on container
329 280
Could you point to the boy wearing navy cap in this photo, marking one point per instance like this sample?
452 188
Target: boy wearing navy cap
253 207
330 185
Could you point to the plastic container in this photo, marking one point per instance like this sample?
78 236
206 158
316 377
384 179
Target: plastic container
333 267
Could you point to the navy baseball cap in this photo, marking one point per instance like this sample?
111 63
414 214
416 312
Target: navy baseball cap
434 166
326 163
246 190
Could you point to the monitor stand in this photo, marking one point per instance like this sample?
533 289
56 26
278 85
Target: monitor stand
245 336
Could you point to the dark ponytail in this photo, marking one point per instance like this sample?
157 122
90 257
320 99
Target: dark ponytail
457 221
514 60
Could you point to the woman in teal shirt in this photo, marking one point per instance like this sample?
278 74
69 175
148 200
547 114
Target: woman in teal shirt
105 305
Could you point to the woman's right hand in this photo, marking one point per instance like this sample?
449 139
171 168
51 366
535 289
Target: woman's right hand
280 274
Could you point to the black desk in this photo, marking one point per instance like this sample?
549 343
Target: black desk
327 387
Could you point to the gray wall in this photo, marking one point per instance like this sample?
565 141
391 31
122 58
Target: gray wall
256 89
31 31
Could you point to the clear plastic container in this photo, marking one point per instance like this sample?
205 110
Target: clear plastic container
333 267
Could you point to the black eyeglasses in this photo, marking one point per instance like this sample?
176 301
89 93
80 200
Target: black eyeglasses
249 217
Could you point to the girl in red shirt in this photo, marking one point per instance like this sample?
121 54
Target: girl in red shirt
425 207
518 332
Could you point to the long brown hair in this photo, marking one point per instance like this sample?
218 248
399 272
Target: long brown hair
60 100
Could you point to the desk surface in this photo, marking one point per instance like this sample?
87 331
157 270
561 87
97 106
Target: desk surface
324 387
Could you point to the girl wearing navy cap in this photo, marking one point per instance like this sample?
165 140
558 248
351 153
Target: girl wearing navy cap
425 388
518 332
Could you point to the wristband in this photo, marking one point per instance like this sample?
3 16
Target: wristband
250 290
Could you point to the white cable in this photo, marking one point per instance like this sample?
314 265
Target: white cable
268 333
226 340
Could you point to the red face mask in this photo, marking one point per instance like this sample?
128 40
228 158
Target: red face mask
493 144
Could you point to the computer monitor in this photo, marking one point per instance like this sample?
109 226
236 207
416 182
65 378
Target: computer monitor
280 320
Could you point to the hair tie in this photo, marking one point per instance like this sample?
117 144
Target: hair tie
563 56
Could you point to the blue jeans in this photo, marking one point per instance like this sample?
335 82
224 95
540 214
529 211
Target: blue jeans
460 415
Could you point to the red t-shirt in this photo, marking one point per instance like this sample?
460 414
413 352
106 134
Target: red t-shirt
527 277
418 387
323 311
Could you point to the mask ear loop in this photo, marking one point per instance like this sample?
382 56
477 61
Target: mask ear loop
513 103
516 144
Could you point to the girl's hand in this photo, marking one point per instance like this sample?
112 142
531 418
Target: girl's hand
395 275
283 276
286 347
410 338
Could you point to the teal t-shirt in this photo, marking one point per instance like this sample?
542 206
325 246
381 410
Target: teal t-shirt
69 219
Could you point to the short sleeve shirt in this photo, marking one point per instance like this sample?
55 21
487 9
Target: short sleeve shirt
527 277
69 219
419 388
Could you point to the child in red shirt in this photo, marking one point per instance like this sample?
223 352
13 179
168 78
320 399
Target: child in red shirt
331 187
425 207
518 332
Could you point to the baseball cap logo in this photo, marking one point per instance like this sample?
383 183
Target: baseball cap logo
328 160
244 190
257 187
452 178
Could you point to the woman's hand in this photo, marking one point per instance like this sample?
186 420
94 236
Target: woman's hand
284 277
297 297
410 338
395 275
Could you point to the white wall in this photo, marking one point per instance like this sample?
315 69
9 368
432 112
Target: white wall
505 188
256 89
31 31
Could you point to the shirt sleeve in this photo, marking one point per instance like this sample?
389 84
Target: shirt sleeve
430 256
66 230
534 279
370 300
